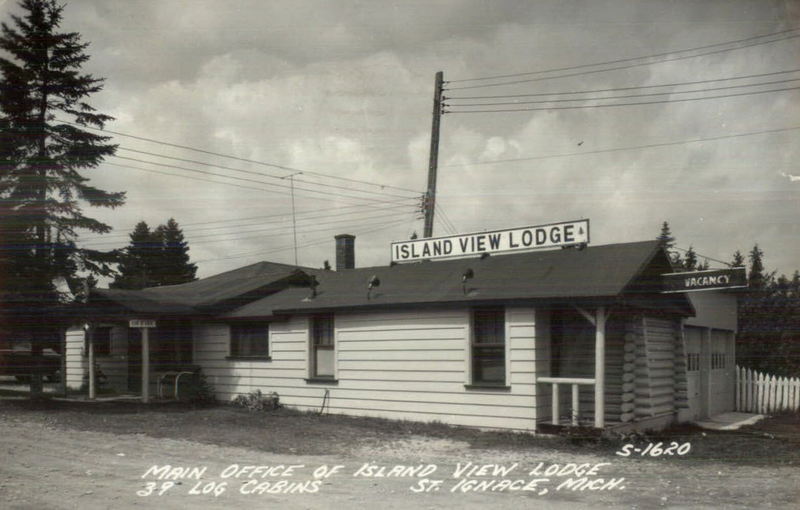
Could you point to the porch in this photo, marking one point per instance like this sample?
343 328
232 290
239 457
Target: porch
611 367
148 362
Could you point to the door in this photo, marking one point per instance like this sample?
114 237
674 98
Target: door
721 374
694 380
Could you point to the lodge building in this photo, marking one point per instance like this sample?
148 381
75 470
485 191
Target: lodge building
519 341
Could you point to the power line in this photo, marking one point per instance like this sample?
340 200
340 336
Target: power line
167 165
278 231
236 158
640 103
274 223
594 71
312 243
618 149
629 59
620 89
251 188
259 224
280 177
443 217
705 256
350 224
628 96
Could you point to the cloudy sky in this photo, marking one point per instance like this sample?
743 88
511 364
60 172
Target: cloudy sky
341 91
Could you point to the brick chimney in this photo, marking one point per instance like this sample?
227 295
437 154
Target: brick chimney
345 251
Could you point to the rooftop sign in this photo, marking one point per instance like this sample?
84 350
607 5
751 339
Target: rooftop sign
705 280
499 241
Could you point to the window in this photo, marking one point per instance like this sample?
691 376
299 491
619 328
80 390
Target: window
693 361
721 342
322 347
489 346
101 341
250 340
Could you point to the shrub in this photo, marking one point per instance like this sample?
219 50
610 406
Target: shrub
201 392
257 401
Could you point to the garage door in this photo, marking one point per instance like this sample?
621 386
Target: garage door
722 374
710 371
694 374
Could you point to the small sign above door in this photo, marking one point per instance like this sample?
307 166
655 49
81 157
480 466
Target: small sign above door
714 279
142 323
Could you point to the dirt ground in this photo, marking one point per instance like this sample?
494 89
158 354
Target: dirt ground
97 455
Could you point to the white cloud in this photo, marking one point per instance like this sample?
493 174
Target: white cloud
346 88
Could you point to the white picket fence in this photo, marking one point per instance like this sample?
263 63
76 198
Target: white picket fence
764 393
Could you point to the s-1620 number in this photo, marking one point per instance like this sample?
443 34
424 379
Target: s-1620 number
655 450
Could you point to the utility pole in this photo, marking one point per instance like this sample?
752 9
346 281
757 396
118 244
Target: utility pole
294 221
430 195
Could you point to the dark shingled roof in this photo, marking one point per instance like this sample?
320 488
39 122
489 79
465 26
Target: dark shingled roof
206 294
594 272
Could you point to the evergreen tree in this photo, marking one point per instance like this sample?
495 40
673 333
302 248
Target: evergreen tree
704 266
155 258
172 264
665 237
690 260
42 187
794 285
738 259
756 279
138 263
668 243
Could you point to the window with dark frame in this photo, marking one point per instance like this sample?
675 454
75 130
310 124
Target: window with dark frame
322 347
250 340
489 346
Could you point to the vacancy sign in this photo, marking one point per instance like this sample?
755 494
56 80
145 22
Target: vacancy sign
714 279
500 241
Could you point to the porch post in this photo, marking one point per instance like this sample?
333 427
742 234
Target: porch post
600 367
145 364
63 382
90 347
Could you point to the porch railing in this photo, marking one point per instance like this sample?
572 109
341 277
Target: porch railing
575 382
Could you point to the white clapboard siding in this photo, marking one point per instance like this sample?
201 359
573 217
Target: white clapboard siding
76 362
757 392
410 365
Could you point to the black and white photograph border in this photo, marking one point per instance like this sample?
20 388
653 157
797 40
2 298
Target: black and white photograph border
415 254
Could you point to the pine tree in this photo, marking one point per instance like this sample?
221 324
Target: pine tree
704 266
665 237
155 258
690 259
794 285
756 279
172 265
668 243
738 259
42 186
138 263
